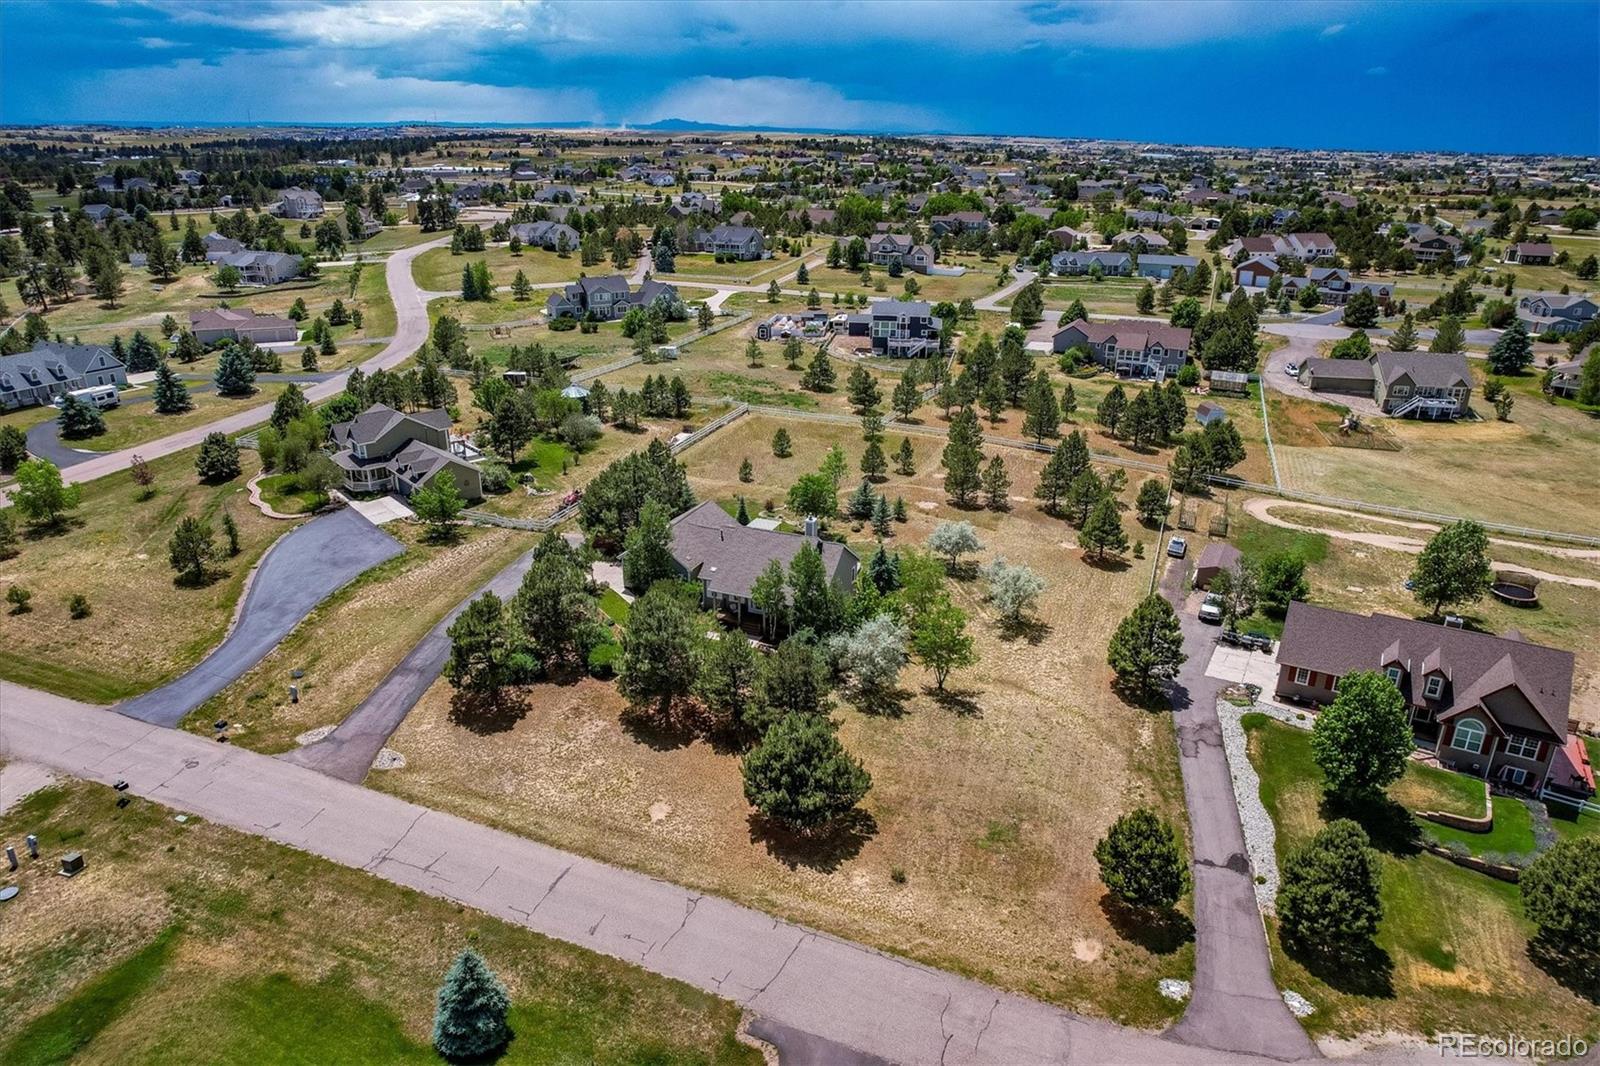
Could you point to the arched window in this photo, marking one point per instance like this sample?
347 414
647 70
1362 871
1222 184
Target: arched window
1468 736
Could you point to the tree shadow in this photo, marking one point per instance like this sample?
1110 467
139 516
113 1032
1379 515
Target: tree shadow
1160 931
488 713
670 729
1032 630
885 703
1577 972
962 701
205 579
1366 971
1111 564
1390 827
62 525
822 850
1145 698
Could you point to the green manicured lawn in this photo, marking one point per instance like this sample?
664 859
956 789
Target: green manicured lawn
1258 539
282 492
1512 833
1429 788
1452 942
614 606
135 423
701 265
195 943
545 460
1571 822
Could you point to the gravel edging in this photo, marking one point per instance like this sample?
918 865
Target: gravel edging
1260 837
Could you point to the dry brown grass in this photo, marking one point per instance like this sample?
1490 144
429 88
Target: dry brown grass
350 641
992 812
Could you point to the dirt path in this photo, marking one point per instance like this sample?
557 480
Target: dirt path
1261 507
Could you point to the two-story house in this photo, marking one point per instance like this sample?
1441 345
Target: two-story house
547 235
1430 246
384 450
1496 707
957 223
1403 384
1553 312
295 202
901 329
48 370
263 268
1141 241
1308 247
605 298
1130 347
1530 253
898 249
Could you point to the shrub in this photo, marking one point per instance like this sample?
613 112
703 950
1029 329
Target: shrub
78 606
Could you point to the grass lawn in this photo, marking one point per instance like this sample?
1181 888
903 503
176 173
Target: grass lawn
1429 788
350 641
705 265
195 943
980 279
133 424
439 271
144 629
392 238
282 492
1454 941
1533 471
1107 296
1511 836
144 301
1020 906
614 606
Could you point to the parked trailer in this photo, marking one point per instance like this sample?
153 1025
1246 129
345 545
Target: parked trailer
102 396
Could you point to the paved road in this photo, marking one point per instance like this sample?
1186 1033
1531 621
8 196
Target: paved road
991 302
411 329
348 751
298 572
845 993
1236 1004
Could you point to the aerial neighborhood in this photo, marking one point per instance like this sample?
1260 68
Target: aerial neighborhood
674 590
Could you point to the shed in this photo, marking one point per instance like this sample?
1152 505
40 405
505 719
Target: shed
1216 558
1230 381
1208 412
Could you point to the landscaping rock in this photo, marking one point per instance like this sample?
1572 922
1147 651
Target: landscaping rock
1298 1005
389 759
1172 988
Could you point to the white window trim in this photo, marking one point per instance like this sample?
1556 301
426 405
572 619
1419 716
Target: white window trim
1514 774
1395 674
1522 747
1456 738
1302 676
1434 688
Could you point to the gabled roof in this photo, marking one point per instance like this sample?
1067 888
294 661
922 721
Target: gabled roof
1428 369
1131 333
375 421
713 547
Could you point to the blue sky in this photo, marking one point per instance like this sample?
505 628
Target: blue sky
1467 75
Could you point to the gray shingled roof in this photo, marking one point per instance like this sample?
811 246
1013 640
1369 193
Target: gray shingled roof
1428 369
713 547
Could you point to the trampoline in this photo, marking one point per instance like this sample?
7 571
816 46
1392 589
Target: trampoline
1515 588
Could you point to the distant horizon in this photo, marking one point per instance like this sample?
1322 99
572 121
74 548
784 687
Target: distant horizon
1344 75
679 125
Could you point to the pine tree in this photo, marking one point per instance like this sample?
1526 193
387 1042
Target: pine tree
819 376
470 1020
171 395
1043 418
997 485
747 471
1404 338
873 462
143 356
308 358
861 501
1512 352
1069 401
743 517
1110 411
781 446
905 458
79 419
235 376
880 519
900 509
1448 337
1103 529
962 457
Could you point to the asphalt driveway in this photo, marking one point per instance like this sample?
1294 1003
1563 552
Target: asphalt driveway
303 568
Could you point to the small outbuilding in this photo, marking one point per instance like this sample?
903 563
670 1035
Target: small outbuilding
1208 412
1230 381
1216 558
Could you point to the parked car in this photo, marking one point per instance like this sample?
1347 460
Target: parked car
1211 609
1177 547
1292 369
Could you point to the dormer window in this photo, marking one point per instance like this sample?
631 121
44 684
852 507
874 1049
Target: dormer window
1434 688
1394 673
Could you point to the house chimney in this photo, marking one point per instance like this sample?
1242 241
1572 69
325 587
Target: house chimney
811 527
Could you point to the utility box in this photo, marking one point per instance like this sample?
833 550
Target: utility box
72 864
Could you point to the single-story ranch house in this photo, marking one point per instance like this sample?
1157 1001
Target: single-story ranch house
546 234
1131 347
1496 707
1111 264
740 242
1530 253
1423 384
713 550
241 324
384 450
38 376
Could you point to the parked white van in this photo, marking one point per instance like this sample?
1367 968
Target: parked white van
101 396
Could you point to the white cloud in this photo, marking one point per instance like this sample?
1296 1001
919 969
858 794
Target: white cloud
1377 72
786 102
1333 30
157 42
192 90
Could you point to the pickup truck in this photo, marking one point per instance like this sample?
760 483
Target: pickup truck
1211 609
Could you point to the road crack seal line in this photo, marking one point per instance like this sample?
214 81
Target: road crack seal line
486 880
689 906
781 967
595 927
945 1047
549 890
987 1021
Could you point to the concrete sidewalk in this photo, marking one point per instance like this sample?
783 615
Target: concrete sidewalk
846 993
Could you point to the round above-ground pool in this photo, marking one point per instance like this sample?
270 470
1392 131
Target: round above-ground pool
1515 588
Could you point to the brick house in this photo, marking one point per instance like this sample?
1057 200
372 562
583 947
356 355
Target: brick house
1495 707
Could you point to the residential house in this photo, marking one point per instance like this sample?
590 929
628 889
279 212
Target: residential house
1336 286
1067 238
1149 219
48 370
605 298
892 249
1403 384
1530 253
1308 247
1111 264
957 223
263 268
555 194
219 247
384 450
741 242
1552 312
898 328
1164 266
1495 707
711 549
546 234
241 324
1130 347
1566 378
295 202
104 214
1430 246
1256 272
1141 241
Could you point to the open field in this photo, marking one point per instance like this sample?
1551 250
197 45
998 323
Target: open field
1453 942
978 800
190 943
690 265
1361 578
980 279
144 629
352 639
1533 471
439 271
584 350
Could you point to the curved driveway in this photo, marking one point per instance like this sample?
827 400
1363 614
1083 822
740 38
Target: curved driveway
306 565
411 329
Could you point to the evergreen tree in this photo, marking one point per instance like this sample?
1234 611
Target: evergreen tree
469 1021
819 376
660 659
1152 504
863 389
1110 411
961 458
290 406
1102 530
648 555
873 462
1448 337
1142 862
1328 898
1043 418
235 376
171 395
1512 352
1069 401
881 517
1147 648
906 458
801 776
996 485
782 448
78 419
143 356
